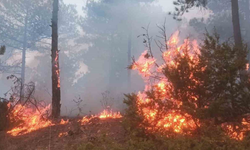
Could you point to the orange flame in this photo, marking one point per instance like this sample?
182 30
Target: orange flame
31 119
64 122
105 114
109 114
34 119
172 119
143 65
62 134
85 120
57 69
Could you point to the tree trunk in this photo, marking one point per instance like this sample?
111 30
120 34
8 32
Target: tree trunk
129 60
56 94
247 17
236 24
24 58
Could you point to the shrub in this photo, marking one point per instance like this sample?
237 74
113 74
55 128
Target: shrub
215 85
195 88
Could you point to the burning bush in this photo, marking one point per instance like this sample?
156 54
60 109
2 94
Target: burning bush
196 86
22 112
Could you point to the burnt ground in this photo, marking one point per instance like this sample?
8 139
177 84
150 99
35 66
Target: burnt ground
76 134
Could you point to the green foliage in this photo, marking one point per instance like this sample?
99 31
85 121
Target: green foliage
132 120
183 6
212 84
222 91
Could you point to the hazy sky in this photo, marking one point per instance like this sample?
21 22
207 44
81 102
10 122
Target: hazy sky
166 4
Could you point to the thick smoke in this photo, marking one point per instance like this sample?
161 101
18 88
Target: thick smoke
94 53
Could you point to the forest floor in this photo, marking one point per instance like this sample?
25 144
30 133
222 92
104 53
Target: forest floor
110 134
72 135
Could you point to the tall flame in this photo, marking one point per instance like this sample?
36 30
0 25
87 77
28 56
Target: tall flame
172 119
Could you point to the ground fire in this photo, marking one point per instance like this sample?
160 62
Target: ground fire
173 120
32 119
105 114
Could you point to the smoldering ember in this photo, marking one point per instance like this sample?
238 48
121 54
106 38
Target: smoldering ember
124 75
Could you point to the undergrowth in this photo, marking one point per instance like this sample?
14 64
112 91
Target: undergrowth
161 143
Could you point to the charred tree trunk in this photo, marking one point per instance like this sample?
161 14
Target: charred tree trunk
236 23
24 57
56 93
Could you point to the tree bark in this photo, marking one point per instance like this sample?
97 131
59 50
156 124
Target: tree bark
236 24
56 93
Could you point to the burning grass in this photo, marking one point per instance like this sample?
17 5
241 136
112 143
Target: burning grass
105 114
29 118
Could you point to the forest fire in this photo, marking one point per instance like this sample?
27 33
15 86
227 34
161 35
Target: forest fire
30 119
105 114
172 119
158 87
235 132
109 114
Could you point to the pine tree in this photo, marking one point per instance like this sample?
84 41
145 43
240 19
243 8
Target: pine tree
219 87
23 23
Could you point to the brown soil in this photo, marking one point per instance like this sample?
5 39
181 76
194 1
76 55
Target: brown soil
76 134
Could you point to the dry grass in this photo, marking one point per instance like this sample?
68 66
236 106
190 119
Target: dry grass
77 134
